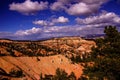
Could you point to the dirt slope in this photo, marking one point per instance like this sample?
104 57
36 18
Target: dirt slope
32 67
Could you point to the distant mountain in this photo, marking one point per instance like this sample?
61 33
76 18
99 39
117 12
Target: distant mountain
93 36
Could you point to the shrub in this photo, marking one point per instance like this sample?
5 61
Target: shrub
16 73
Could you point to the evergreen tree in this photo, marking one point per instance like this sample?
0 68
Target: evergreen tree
106 57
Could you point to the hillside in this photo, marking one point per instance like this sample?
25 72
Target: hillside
32 67
42 57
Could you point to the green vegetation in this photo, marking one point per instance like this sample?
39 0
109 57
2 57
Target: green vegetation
16 73
106 57
76 59
26 49
60 75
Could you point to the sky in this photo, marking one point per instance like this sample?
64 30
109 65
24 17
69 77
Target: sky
42 19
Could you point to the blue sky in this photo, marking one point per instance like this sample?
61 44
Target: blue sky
38 19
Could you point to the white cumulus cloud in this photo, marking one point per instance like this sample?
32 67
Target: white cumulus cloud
52 22
28 7
43 23
57 6
107 18
78 7
32 31
40 22
60 19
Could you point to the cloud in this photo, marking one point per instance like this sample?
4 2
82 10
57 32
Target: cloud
60 19
52 22
99 2
60 5
72 7
85 7
43 23
78 7
57 6
56 31
53 31
7 35
32 31
29 34
46 32
90 25
28 7
40 22
65 1
105 18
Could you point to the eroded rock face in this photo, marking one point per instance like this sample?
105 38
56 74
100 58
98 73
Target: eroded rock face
32 67
55 46
71 46
46 56
68 43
